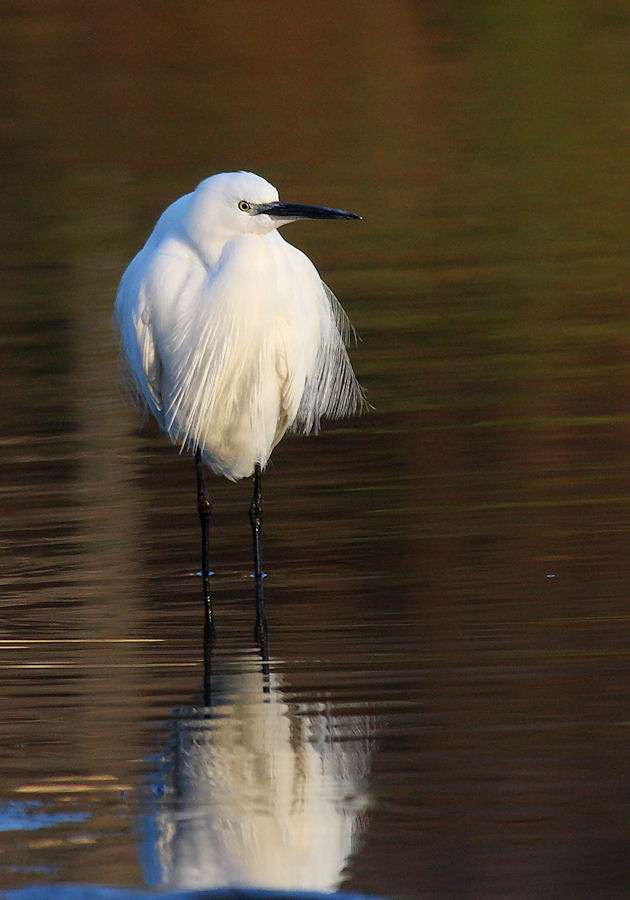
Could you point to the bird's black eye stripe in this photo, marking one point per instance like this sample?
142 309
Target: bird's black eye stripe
244 206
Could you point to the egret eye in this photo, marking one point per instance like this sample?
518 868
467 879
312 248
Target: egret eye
244 206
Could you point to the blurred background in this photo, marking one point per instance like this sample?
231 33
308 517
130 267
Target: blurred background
448 575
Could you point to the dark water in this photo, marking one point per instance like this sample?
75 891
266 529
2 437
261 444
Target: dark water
445 710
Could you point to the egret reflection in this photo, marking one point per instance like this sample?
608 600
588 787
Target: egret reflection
257 789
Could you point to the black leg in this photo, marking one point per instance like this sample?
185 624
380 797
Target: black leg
261 636
256 519
207 672
204 505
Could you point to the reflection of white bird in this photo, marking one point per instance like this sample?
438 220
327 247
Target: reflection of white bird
260 792
229 334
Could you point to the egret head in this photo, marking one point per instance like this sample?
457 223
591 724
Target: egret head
232 203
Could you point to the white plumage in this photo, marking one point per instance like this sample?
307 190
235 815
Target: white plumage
228 332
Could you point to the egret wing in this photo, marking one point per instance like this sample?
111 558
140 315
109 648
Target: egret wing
331 388
139 362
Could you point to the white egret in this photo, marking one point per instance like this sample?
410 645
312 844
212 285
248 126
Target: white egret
230 337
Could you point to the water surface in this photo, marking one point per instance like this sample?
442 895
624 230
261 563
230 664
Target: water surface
445 708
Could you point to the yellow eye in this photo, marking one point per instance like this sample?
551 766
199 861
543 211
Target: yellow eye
244 206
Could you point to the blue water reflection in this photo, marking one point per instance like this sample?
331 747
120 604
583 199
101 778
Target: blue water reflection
31 816
96 892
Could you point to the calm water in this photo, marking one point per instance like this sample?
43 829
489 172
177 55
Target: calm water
445 710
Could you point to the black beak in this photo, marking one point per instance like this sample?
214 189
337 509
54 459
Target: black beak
292 211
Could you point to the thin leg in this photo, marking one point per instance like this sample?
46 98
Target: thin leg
256 519
261 636
204 505
207 673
